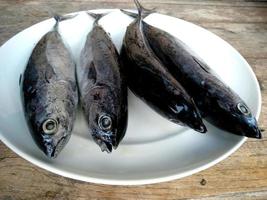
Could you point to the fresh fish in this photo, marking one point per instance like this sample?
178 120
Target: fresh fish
49 92
149 79
103 88
218 103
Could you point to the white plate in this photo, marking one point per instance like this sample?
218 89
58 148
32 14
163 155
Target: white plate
153 150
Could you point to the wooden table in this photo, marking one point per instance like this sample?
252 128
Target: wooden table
241 176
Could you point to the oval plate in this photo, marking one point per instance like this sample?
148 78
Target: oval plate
154 149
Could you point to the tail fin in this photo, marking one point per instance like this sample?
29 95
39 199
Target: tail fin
142 12
97 17
60 18
133 14
139 9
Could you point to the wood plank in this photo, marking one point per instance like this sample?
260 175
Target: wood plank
203 13
241 176
234 174
249 39
238 3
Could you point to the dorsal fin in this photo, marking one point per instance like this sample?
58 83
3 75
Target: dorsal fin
91 74
203 65
206 68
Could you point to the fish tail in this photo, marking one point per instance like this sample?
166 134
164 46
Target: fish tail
142 12
139 9
133 14
60 18
129 13
96 16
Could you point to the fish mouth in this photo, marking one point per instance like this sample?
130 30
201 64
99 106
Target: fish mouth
105 146
258 134
254 132
105 143
201 128
51 150
250 128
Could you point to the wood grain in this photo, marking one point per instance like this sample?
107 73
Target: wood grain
241 176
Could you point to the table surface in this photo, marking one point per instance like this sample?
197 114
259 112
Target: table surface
241 176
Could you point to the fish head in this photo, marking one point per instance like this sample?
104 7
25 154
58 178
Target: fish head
187 115
245 122
102 123
52 130
103 120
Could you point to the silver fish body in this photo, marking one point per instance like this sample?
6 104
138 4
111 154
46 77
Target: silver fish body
50 94
149 79
217 102
103 89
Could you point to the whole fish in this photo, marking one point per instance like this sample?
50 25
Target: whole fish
217 103
49 92
103 88
149 79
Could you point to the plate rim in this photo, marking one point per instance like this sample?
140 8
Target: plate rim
164 178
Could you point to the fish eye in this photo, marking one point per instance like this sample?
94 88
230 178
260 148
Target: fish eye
50 126
105 122
243 108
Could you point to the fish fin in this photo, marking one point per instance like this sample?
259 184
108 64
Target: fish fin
60 18
140 10
133 14
20 77
207 69
91 75
96 16
129 13
203 65
49 73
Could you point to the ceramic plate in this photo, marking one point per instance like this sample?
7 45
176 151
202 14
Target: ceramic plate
154 149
